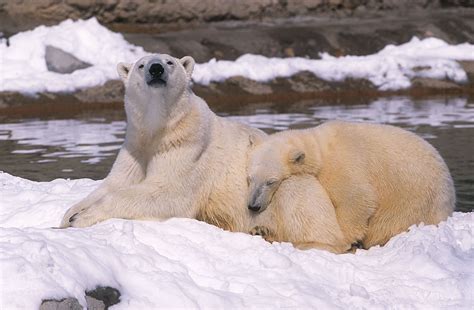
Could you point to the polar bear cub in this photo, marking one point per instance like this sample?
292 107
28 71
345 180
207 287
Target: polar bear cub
380 179
301 212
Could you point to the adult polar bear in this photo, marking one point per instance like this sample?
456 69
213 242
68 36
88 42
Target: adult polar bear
179 159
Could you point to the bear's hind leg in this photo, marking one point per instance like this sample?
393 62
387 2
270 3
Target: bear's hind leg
355 203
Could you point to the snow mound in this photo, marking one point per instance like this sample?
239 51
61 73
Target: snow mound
189 264
23 65
389 69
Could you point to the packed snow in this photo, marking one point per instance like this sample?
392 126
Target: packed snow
189 264
389 69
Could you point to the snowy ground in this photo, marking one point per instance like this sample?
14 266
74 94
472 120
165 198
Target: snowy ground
189 264
389 69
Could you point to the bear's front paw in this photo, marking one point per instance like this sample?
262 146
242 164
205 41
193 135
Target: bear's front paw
264 232
70 215
84 216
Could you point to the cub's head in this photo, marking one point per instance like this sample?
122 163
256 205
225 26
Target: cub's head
271 162
156 79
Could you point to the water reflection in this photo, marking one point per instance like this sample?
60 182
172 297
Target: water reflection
91 140
398 111
43 149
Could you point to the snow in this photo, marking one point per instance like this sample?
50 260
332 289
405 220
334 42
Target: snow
23 66
389 69
189 264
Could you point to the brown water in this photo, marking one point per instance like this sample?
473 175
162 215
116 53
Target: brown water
84 145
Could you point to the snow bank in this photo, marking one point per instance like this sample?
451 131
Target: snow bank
23 64
189 264
390 69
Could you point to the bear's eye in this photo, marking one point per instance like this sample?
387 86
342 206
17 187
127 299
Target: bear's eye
140 67
169 63
271 182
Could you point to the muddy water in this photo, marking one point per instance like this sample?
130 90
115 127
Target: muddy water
85 144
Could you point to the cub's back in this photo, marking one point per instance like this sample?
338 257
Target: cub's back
398 163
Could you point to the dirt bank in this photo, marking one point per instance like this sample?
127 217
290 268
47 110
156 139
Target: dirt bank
307 37
235 92
19 15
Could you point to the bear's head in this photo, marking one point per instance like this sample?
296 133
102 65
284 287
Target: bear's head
270 163
155 84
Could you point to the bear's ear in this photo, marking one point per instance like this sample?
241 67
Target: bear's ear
123 69
188 64
297 157
254 140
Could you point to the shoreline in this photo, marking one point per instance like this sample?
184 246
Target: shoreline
235 91
294 37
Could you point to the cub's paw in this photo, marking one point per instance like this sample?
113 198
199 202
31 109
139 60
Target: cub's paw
264 232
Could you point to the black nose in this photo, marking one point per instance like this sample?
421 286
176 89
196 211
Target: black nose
254 208
156 70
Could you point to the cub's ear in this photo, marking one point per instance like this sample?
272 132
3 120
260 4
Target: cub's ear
123 69
254 140
297 157
188 64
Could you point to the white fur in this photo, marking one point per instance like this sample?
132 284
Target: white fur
178 160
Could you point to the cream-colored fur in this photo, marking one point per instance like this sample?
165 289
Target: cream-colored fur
179 159
380 179
301 213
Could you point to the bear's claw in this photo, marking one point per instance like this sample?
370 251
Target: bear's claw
260 231
264 232
73 217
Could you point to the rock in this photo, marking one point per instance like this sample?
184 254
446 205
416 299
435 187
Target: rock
250 86
19 15
304 82
465 3
100 298
109 296
468 66
428 83
94 304
60 61
111 91
64 304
